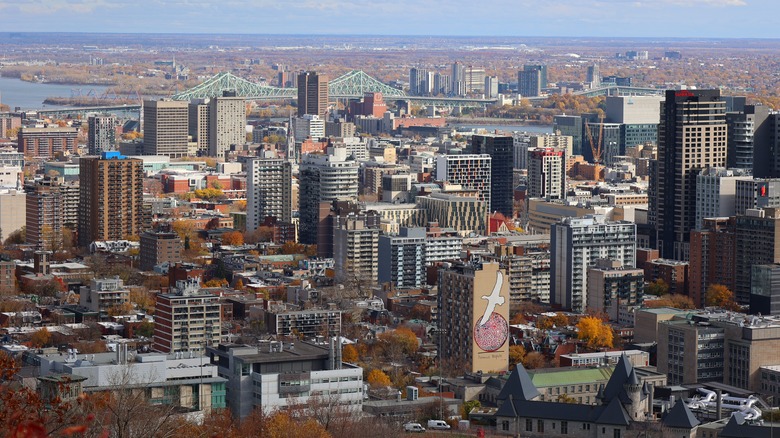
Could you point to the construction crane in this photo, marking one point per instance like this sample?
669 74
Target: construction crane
596 148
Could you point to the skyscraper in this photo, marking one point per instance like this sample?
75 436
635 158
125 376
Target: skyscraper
691 137
269 191
324 178
593 77
501 151
101 135
420 81
166 124
576 243
110 197
312 94
199 124
227 123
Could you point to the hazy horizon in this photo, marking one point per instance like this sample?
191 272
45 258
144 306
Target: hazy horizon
708 19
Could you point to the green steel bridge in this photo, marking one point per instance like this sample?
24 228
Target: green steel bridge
352 85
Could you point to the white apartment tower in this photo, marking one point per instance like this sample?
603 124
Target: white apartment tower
269 191
576 244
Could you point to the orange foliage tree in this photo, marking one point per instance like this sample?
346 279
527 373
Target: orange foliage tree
594 332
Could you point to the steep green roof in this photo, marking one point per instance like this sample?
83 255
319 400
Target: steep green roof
571 376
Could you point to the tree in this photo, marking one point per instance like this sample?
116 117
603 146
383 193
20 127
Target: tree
377 377
40 338
677 301
216 282
534 360
209 194
121 309
233 238
516 355
719 295
403 337
594 332
658 287
145 329
566 398
349 354
470 406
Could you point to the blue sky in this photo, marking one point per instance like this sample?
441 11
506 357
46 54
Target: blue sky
618 18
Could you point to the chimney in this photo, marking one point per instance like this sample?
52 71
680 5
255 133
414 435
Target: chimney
718 404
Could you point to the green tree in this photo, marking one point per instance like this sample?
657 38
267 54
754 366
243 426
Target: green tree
658 287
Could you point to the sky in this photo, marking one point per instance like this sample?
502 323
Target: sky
600 18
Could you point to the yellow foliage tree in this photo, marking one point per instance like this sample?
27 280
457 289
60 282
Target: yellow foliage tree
40 338
516 355
719 295
281 425
403 337
216 282
594 332
208 194
377 377
349 354
234 238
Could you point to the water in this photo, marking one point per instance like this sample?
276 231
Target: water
541 129
30 95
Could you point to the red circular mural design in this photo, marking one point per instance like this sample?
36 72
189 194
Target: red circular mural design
492 335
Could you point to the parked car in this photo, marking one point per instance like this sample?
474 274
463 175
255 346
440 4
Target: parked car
438 425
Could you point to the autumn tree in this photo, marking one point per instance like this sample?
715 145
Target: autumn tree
377 377
658 287
209 194
402 337
40 338
349 354
516 355
677 301
534 360
719 295
594 332
233 238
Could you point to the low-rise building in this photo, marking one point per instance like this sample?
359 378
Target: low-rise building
276 375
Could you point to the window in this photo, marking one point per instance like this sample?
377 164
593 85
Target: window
616 433
505 425
540 425
529 425
564 427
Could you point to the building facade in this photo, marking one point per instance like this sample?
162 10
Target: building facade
312 94
402 258
268 191
110 198
474 313
101 134
691 137
52 204
47 142
186 319
166 125
500 149
471 171
546 174
159 247
576 243
227 123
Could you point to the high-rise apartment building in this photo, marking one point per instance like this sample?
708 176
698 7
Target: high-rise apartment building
186 319
691 137
312 94
47 142
593 77
227 123
757 243
716 193
474 79
750 140
355 248
754 193
491 87
101 135
529 83
471 171
420 81
547 174
570 126
52 204
402 258
166 125
268 191
611 285
198 121
712 258
324 178
500 149
110 197
542 68
576 243
473 317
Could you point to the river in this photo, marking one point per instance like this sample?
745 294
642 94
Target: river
30 95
